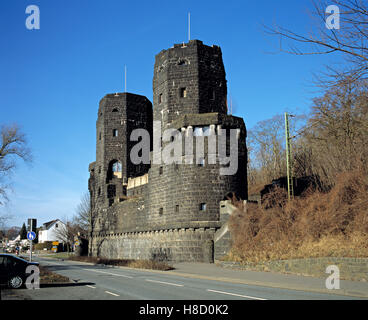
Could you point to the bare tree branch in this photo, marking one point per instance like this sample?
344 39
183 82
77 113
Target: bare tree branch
13 146
351 39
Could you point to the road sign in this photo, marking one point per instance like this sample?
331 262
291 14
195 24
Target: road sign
31 235
32 224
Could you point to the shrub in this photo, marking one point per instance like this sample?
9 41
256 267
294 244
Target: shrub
45 245
314 225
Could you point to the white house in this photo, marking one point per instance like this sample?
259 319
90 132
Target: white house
52 231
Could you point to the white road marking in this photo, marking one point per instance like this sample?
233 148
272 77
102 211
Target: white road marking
90 286
112 274
237 295
168 283
113 294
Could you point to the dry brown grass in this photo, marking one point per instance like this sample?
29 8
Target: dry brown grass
141 264
47 277
315 225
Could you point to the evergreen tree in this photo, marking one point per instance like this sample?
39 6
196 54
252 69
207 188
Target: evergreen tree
23 232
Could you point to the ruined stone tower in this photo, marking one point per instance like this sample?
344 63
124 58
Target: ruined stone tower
190 93
171 210
188 79
118 115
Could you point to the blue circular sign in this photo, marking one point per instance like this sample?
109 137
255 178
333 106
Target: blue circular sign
31 235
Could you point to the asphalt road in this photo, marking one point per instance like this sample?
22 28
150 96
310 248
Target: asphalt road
95 282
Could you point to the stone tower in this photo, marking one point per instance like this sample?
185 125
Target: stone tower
188 79
118 115
167 211
189 95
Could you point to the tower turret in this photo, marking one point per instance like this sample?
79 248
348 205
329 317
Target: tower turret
118 115
188 78
189 94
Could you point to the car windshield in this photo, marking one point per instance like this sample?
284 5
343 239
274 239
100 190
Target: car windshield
11 256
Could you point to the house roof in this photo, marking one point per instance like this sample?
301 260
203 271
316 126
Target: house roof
47 225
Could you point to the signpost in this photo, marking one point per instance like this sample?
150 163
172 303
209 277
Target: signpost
55 245
31 235
32 224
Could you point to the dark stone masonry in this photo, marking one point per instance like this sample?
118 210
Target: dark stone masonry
167 212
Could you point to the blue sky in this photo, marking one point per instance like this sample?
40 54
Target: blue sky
51 80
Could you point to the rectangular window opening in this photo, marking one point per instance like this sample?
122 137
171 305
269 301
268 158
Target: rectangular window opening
212 94
183 92
202 162
202 207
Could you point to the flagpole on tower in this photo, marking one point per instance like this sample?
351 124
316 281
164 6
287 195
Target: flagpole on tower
189 26
125 78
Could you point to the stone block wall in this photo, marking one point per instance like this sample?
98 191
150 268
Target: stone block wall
355 269
186 244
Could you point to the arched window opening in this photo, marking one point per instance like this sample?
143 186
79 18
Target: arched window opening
116 167
115 170
183 62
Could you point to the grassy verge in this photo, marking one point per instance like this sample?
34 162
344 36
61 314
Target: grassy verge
47 276
141 264
61 255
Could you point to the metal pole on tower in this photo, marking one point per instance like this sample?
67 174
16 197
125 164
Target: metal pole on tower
125 78
189 26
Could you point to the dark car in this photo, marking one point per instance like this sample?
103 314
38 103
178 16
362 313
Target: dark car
13 270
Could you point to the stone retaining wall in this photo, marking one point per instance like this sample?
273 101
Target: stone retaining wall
164 245
355 269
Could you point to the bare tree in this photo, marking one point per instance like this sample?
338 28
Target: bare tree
3 219
336 137
82 218
78 225
65 233
350 37
13 146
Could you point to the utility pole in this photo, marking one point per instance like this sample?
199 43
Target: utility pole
289 162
